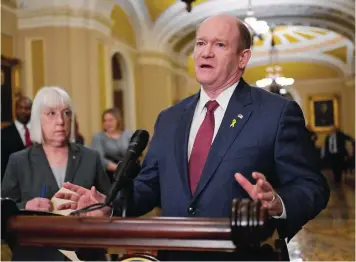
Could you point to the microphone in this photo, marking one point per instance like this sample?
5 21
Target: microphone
125 170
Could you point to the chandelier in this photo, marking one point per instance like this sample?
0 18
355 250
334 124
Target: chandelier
188 4
274 79
257 27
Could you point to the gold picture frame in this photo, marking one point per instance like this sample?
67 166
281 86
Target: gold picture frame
324 112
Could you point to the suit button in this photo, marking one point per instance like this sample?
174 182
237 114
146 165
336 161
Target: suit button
191 210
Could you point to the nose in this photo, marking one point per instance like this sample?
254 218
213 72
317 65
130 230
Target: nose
207 51
60 119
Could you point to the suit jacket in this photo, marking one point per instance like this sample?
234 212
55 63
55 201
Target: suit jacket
28 171
11 142
270 138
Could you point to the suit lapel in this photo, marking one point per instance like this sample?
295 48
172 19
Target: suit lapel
17 138
235 118
73 161
42 171
181 142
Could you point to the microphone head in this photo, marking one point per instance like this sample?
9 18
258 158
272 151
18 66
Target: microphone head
139 141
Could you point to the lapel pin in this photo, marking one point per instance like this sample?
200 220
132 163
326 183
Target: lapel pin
73 157
240 116
233 123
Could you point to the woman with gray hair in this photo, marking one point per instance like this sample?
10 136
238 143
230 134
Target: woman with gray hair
35 174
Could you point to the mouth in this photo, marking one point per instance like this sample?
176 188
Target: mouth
206 66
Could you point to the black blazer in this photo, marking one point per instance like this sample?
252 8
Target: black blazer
28 171
11 142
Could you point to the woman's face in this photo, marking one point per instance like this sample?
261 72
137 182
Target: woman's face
56 125
110 123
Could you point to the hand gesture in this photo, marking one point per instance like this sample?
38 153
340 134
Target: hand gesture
263 191
39 204
82 197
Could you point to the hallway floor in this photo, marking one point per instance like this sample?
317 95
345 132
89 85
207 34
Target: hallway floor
331 235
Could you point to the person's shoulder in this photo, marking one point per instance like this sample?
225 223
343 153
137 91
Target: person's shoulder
8 129
127 133
180 105
22 154
98 135
84 150
264 96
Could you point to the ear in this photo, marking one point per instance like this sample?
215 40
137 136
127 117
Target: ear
244 58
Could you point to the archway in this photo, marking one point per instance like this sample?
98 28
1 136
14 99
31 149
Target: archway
118 84
123 89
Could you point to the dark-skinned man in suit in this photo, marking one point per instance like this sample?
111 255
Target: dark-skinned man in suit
15 137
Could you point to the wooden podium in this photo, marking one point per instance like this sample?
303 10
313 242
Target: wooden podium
248 226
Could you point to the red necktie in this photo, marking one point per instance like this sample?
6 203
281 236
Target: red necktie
28 141
202 145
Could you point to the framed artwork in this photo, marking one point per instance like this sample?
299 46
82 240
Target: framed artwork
324 112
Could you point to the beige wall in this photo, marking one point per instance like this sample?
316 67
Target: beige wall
8 22
70 62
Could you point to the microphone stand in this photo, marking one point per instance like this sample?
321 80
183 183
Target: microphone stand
126 194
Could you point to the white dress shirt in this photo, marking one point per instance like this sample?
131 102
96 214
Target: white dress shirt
199 114
21 129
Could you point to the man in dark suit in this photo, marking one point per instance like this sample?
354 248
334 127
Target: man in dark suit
335 152
16 136
229 141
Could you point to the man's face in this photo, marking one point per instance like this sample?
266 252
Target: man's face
215 52
23 111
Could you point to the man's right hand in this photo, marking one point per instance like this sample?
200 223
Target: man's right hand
83 198
39 204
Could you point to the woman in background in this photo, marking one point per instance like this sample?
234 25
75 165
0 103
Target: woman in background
112 142
35 174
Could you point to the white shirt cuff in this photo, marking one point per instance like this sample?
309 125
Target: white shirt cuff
284 213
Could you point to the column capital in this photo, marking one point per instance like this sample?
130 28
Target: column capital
90 14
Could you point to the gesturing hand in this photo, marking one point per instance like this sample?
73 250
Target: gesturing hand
83 198
263 191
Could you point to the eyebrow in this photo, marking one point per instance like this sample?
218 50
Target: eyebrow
214 40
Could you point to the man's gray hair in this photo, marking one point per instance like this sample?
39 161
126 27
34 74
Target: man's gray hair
48 96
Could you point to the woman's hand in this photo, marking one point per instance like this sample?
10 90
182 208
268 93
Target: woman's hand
39 204
111 166
83 198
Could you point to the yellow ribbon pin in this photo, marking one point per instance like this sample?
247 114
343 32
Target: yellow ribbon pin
233 123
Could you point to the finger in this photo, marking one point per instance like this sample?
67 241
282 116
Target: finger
44 209
75 188
246 185
72 205
264 186
258 175
67 196
267 196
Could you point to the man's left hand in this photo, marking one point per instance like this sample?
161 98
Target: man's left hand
263 191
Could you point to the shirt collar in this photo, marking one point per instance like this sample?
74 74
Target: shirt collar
223 99
21 126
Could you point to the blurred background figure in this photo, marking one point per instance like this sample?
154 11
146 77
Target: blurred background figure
335 152
35 174
16 136
313 135
112 142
